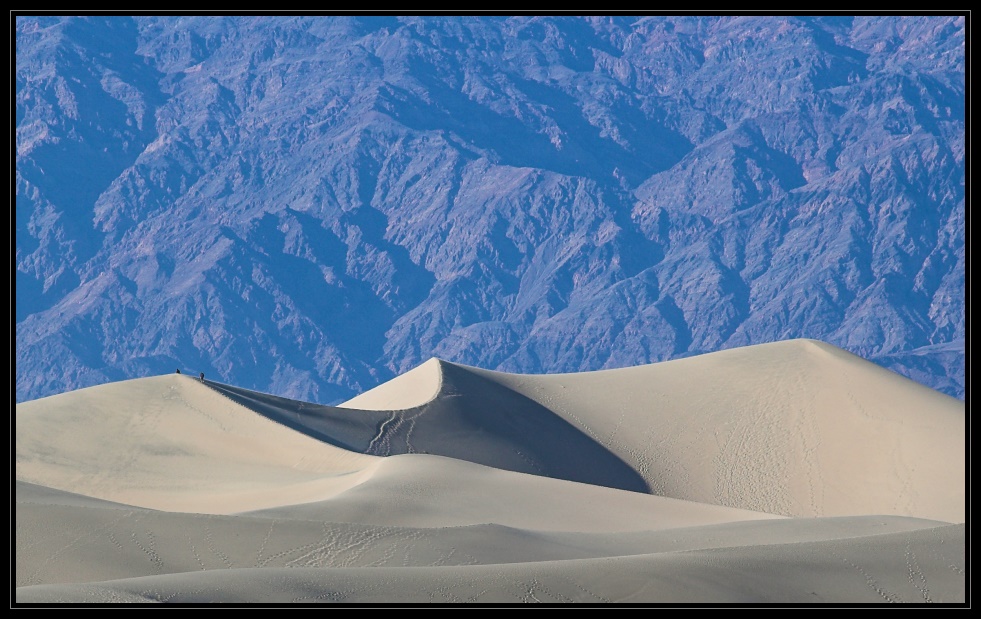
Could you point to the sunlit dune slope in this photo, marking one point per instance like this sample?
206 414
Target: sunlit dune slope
172 443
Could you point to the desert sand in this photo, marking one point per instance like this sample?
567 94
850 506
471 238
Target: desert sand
791 472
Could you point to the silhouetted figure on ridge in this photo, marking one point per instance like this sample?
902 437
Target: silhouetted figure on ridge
178 370
202 377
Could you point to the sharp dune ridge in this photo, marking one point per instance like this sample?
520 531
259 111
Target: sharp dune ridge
836 480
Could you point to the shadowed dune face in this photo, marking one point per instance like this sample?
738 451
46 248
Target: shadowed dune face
470 418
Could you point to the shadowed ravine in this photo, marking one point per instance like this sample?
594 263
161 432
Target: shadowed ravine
470 419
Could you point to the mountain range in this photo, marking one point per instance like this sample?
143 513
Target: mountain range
311 205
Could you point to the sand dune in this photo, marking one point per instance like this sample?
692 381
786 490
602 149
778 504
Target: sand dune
432 491
789 472
172 443
862 570
798 428
299 538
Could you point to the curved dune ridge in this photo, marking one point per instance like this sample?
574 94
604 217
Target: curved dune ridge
786 472
471 418
416 387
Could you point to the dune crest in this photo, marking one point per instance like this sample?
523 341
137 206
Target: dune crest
416 387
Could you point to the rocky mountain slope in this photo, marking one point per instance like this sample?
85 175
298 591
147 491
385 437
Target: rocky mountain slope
308 206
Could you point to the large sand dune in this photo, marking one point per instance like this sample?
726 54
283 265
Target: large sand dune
788 472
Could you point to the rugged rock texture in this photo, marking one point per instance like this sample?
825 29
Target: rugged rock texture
307 206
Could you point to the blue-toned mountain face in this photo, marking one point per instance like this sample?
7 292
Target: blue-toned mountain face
308 206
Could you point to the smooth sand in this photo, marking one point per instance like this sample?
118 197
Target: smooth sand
172 443
784 473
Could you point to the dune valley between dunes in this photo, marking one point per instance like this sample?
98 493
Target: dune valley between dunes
782 473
